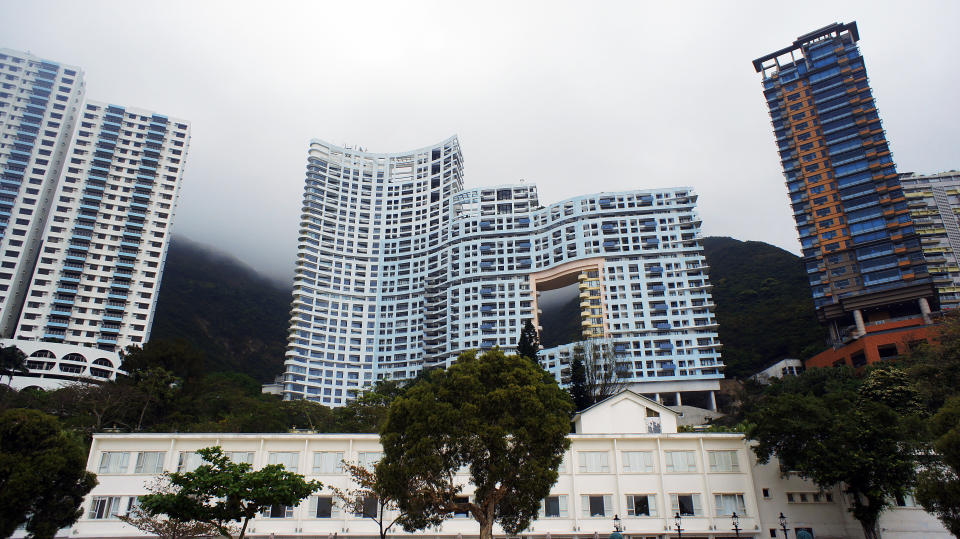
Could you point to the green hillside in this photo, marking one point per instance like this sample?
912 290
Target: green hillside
763 304
237 317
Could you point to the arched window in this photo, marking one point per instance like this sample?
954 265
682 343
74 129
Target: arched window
43 353
103 362
75 357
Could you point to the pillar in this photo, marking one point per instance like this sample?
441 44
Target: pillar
656 397
679 402
713 400
858 319
925 310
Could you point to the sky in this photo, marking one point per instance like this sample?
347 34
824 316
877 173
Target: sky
576 97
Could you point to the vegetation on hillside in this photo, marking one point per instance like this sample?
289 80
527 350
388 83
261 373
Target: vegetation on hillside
237 318
764 308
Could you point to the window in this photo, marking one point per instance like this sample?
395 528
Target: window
554 507
104 507
596 505
766 494
727 504
462 511
189 461
114 462
328 462
642 505
245 457
638 461
323 507
278 511
150 462
905 500
369 459
368 507
724 461
286 458
680 461
593 461
686 505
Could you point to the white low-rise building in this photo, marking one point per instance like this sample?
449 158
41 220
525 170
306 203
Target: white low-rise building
626 459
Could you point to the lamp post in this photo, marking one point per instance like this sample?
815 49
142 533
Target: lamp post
736 523
617 528
679 529
783 525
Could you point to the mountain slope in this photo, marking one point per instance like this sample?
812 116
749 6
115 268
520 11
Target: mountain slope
237 317
763 304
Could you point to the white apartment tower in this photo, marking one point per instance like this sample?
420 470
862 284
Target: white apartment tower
87 196
400 268
106 240
39 104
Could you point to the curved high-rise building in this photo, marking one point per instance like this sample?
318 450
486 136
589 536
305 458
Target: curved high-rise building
400 268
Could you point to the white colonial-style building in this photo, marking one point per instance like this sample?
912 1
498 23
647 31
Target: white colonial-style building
626 459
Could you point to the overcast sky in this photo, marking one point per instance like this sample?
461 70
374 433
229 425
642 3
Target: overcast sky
576 97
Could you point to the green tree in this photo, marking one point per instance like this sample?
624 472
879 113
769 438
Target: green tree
12 361
165 527
177 356
369 498
223 492
938 487
502 416
579 390
42 474
835 430
528 345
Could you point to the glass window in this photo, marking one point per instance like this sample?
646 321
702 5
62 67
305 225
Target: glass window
189 461
686 504
245 457
642 505
727 504
369 459
328 462
323 507
597 505
554 507
593 461
680 461
104 507
724 461
114 462
278 511
638 461
288 459
150 461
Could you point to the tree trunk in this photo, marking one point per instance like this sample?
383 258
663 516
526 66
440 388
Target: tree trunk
870 529
243 529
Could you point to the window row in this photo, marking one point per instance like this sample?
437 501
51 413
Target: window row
331 462
152 462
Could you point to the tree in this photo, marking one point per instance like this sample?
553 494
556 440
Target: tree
502 416
528 345
604 376
154 385
369 499
223 491
579 390
836 429
12 361
938 486
42 474
164 527
177 356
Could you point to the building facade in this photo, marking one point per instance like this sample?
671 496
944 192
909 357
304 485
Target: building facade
934 201
87 197
400 268
626 460
861 250
39 109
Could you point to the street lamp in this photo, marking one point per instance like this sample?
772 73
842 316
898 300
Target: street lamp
616 528
679 529
736 523
783 525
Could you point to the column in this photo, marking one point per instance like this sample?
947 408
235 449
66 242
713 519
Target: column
679 402
858 319
713 400
925 310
